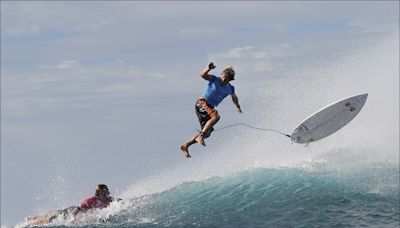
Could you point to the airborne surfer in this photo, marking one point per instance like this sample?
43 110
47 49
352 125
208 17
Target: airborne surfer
100 199
218 88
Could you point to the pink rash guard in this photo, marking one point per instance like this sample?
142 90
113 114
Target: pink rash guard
95 202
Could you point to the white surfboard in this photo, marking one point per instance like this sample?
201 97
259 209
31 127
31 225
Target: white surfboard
328 120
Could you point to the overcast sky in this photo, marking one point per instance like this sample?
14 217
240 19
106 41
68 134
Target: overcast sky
103 92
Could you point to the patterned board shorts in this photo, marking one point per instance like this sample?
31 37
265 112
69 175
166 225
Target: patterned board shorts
204 112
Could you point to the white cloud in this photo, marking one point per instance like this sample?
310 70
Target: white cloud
260 58
263 67
35 18
261 55
235 53
373 27
260 52
71 83
198 31
67 64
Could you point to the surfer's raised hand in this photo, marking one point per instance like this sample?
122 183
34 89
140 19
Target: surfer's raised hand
211 65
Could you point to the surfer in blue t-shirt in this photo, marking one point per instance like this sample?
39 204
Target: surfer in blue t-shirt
217 89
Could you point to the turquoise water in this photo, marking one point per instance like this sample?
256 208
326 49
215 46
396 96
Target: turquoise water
279 197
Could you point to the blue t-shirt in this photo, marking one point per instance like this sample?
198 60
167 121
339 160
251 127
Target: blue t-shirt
215 92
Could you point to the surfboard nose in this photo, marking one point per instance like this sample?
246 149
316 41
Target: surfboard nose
364 97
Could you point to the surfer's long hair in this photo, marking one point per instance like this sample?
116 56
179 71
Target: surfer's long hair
230 72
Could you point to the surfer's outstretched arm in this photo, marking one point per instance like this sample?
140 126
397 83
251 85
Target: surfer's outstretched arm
235 100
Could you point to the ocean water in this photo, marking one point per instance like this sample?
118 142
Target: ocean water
315 194
273 198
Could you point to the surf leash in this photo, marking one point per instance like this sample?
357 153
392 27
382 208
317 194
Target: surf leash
256 128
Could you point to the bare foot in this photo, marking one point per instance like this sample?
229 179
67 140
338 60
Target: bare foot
200 139
185 151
